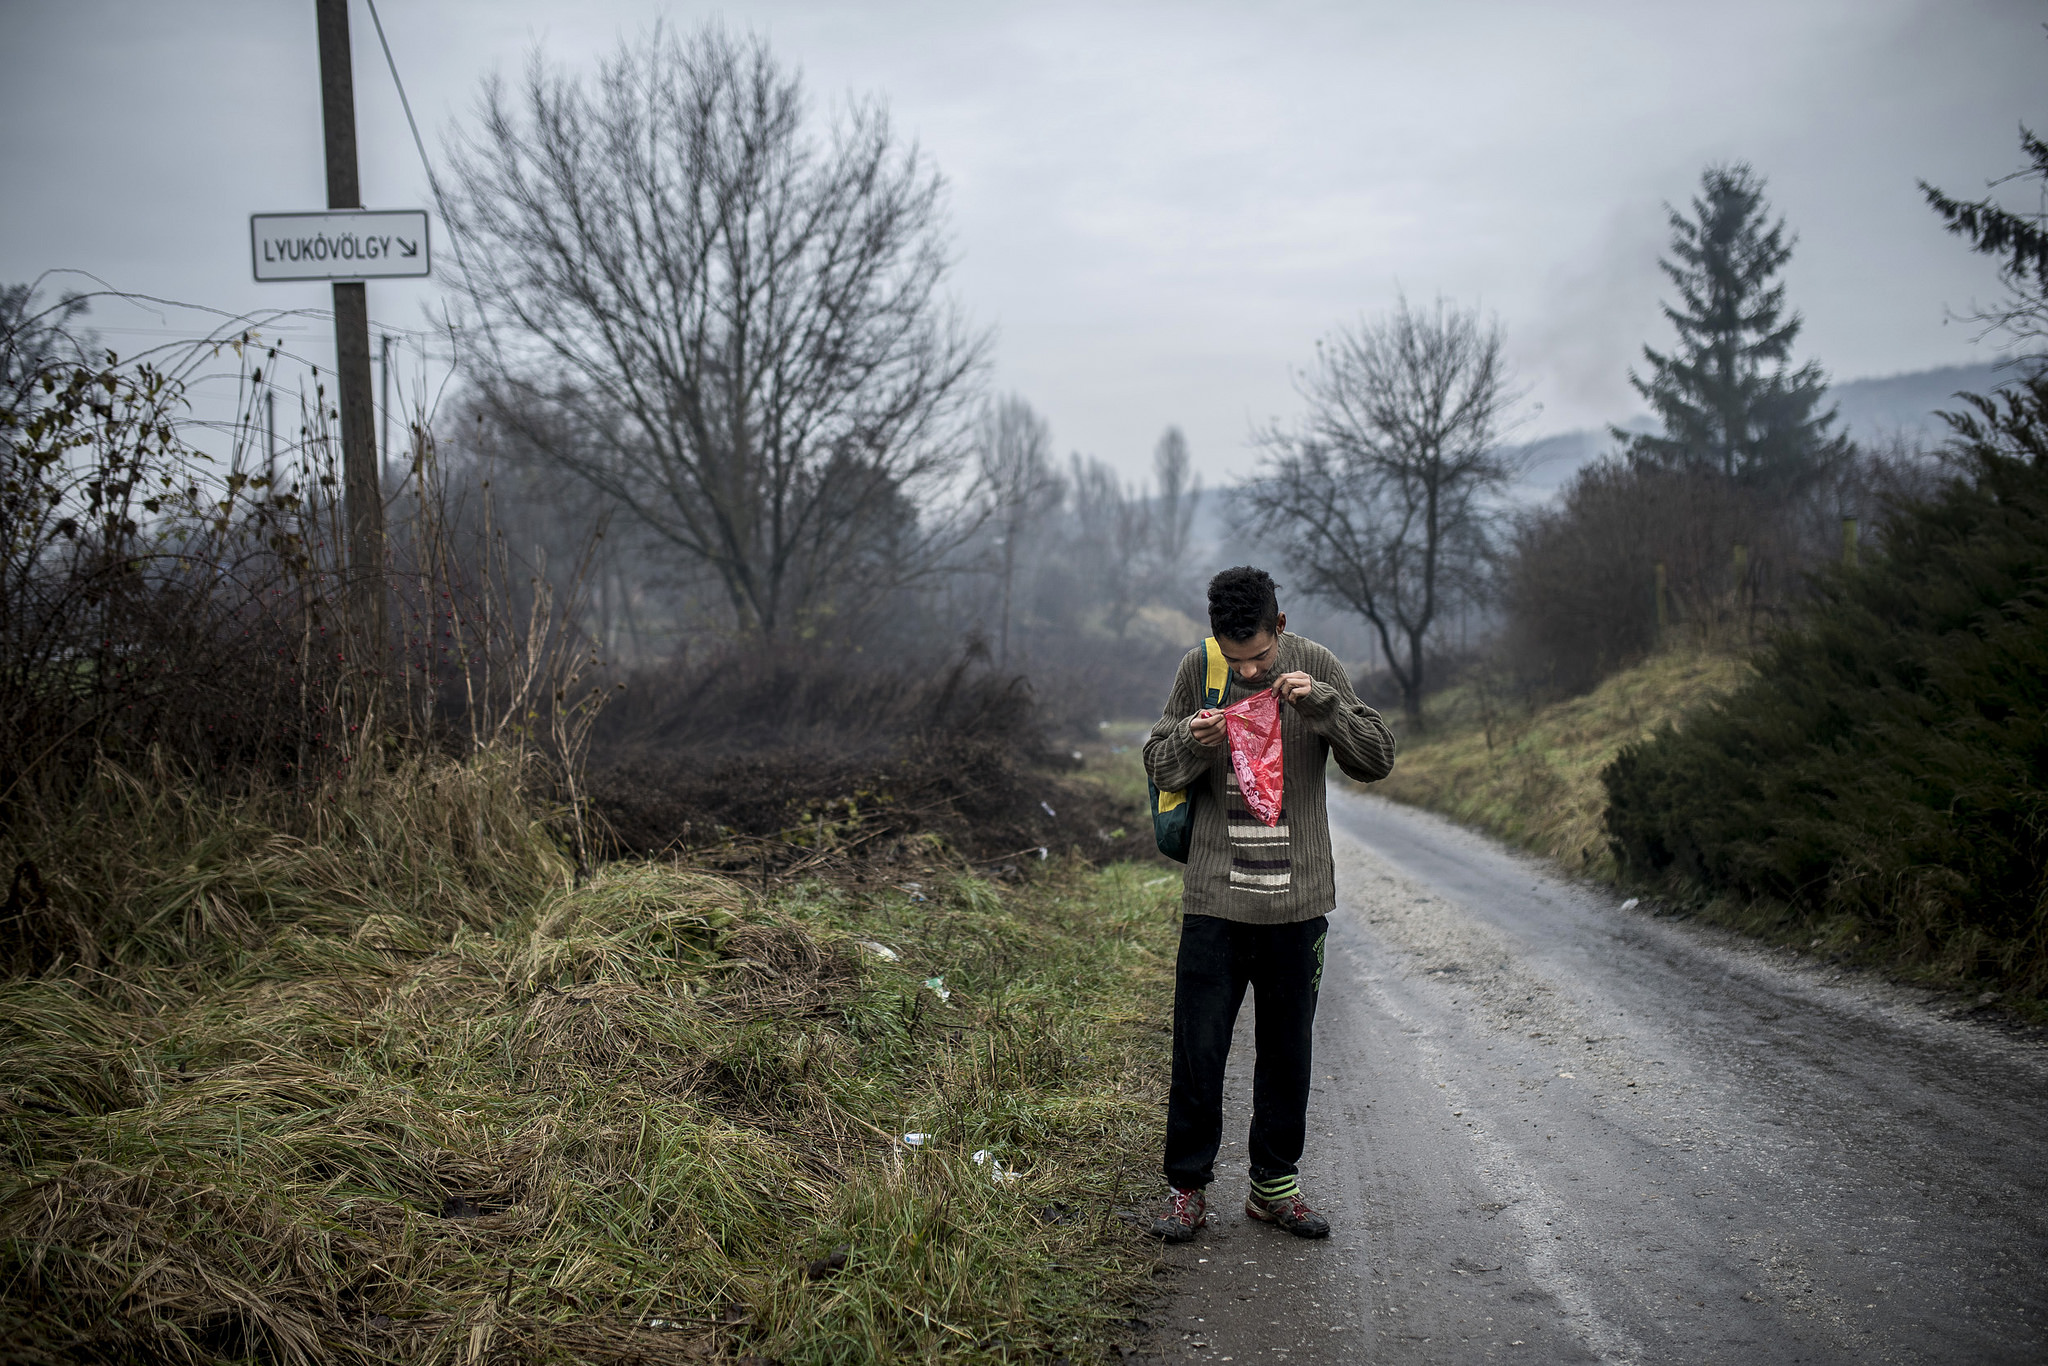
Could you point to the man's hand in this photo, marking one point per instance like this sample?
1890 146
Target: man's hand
1207 728
1294 686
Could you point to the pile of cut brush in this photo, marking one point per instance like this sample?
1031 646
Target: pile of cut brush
783 761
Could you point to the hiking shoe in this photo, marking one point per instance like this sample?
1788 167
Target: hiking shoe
1290 1212
1183 1218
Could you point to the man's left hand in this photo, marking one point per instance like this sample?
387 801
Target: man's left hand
1292 687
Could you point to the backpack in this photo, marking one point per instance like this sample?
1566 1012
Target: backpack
1173 813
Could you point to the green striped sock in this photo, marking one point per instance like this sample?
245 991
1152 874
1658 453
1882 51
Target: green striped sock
1276 1188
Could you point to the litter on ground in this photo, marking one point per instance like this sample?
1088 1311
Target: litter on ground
997 1172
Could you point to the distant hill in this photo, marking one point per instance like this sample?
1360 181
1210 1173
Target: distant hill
1876 410
1873 412
1549 462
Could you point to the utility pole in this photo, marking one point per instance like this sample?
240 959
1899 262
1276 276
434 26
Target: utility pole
360 483
384 405
270 440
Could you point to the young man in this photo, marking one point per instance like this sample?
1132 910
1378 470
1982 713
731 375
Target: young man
1254 908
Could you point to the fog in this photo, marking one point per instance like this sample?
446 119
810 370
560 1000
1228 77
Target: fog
1153 219
1159 209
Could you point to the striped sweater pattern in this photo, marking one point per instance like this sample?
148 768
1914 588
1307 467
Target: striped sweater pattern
1259 860
1238 867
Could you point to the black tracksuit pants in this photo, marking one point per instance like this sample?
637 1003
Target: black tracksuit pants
1283 965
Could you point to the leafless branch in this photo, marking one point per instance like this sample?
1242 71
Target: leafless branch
730 326
1381 500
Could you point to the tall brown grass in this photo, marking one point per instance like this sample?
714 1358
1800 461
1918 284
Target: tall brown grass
1531 774
403 1089
323 1040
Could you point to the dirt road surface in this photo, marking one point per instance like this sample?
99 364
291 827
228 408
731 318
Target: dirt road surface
1547 1129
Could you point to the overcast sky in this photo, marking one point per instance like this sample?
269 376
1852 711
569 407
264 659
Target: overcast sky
1158 208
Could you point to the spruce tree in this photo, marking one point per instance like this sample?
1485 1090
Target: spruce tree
1884 772
1730 402
2022 239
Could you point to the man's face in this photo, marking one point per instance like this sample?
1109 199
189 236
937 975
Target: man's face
1252 660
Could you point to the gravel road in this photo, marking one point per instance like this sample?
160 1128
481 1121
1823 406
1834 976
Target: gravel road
1547 1129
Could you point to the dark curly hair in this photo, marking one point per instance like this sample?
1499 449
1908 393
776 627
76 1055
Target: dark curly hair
1242 604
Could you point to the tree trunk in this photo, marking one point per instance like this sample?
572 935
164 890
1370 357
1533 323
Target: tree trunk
1009 574
1411 682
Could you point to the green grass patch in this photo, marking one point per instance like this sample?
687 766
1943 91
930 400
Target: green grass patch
1532 776
1116 762
394 1088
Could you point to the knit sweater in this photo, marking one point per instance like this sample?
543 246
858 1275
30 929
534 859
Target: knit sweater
1238 867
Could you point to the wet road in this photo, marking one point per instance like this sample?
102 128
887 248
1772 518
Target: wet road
1549 1130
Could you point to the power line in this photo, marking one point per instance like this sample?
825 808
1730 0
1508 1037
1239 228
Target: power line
426 164
433 183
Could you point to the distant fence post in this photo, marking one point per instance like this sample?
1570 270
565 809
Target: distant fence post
1849 542
1743 607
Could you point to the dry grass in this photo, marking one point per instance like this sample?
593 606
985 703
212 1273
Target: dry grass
150 868
1533 778
382 1083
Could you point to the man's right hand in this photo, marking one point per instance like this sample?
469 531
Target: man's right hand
1207 728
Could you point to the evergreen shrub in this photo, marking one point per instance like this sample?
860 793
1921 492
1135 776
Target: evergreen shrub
1884 777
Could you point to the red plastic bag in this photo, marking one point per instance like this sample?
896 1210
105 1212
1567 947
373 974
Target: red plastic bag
1253 727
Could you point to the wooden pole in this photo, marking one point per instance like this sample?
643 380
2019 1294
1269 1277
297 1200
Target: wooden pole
384 406
360 484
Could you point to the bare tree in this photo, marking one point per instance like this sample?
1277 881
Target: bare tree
734 324
1173 514
1014 452
1379 501
1113 537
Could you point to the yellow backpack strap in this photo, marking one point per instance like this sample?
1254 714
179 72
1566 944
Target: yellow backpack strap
1218 675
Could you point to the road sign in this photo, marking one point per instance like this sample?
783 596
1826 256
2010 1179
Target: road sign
340 244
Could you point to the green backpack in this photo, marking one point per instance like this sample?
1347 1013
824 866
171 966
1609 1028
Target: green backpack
1173 813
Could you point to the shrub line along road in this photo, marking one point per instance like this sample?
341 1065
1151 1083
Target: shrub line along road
1546 1129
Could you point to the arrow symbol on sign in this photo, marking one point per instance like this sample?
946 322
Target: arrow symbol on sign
406 248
